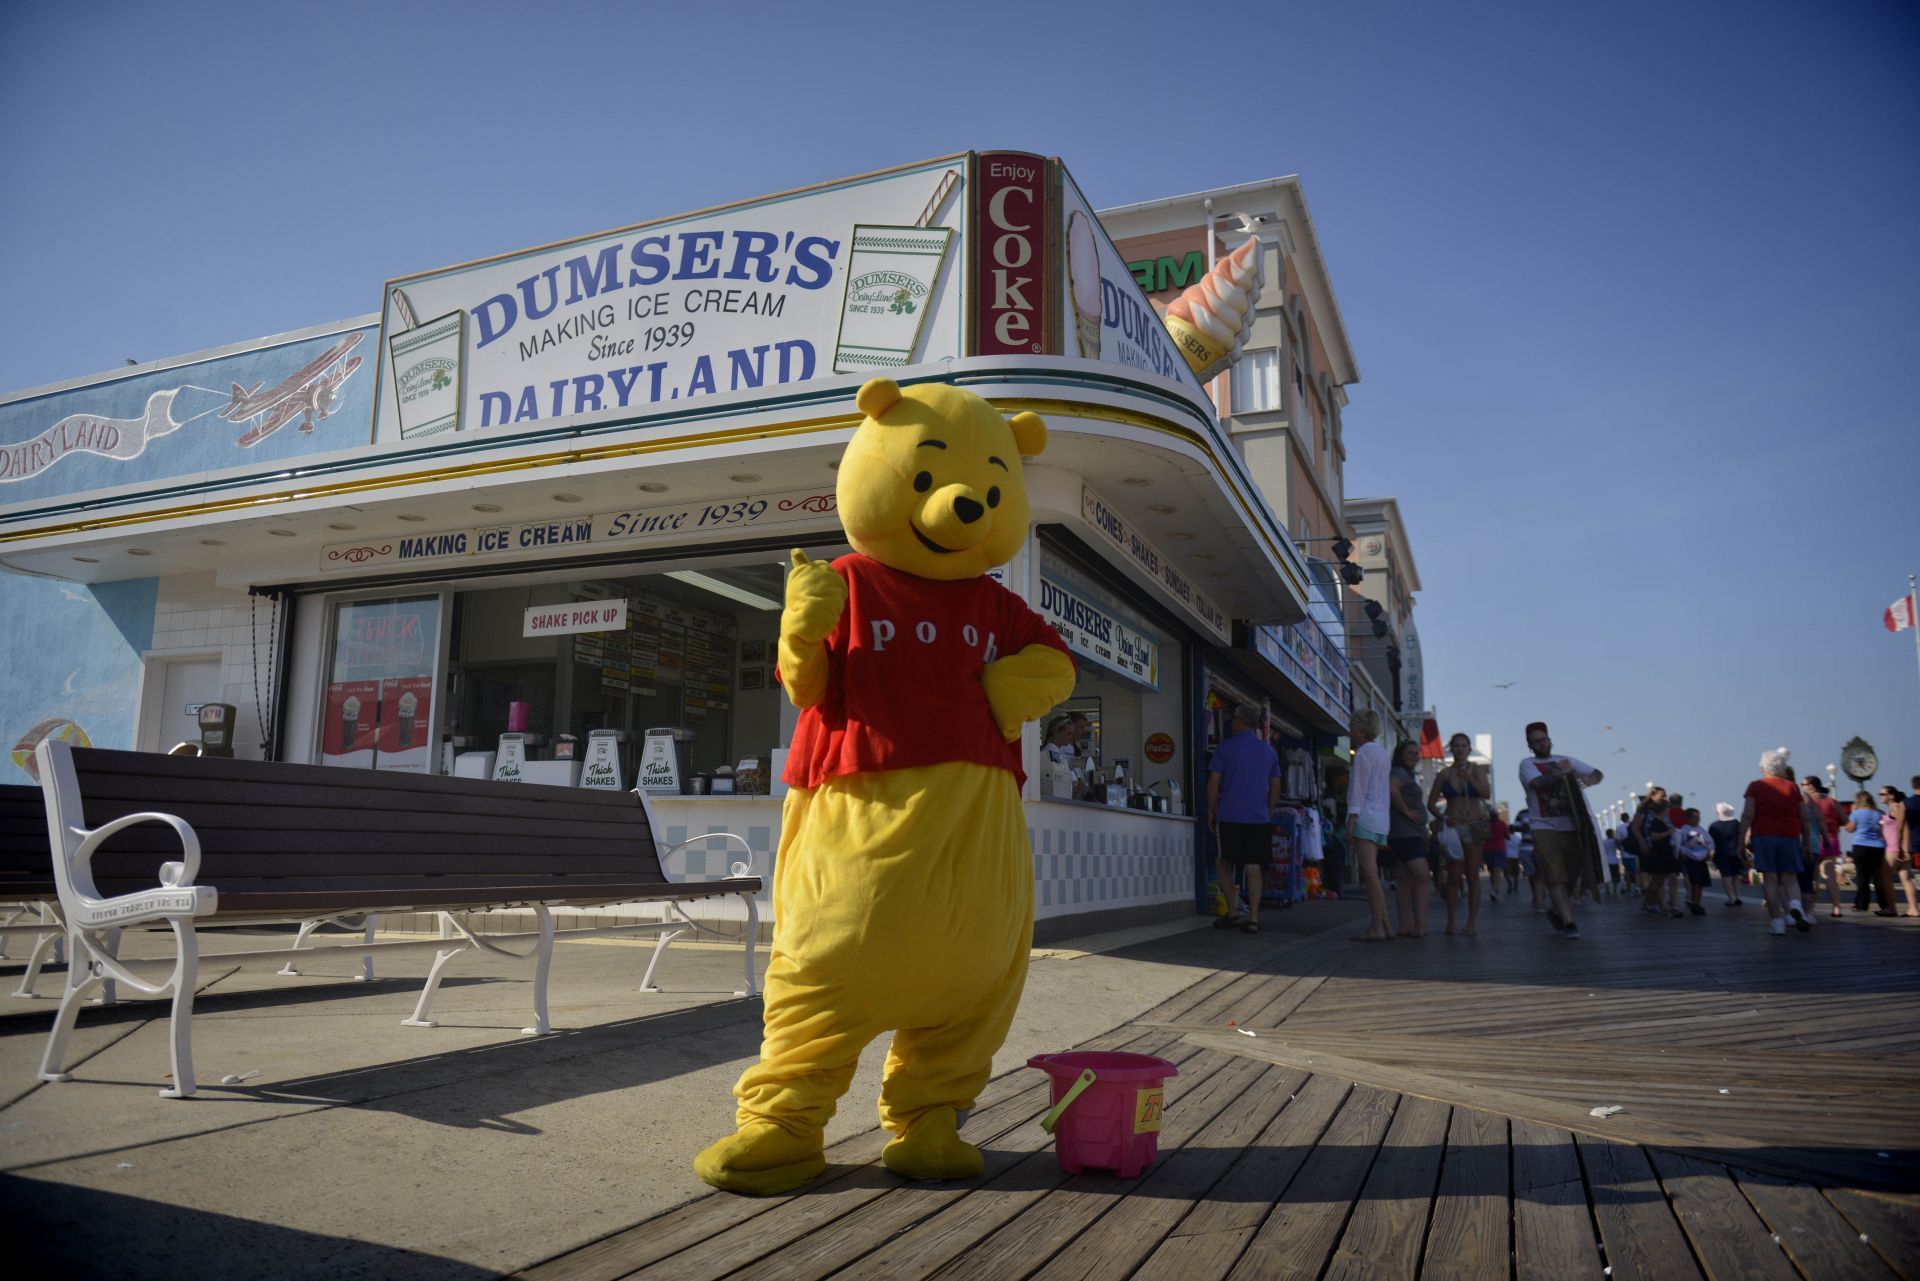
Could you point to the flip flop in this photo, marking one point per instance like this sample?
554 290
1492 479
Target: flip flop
1251 927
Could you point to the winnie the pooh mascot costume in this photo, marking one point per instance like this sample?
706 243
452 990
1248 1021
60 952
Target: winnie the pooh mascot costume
903 886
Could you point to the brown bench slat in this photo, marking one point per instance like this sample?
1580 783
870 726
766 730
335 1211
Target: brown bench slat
26 860
155 838
248 815
106 761
219 868
520 798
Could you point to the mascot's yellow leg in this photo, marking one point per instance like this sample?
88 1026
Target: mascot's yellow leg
903 900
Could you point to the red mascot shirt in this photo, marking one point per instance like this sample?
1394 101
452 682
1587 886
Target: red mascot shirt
903 675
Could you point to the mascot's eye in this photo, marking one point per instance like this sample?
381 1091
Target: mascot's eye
993 496
923 482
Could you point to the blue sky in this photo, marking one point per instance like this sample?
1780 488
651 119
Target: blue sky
1631 287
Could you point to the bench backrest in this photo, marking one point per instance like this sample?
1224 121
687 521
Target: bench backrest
266 826
26 861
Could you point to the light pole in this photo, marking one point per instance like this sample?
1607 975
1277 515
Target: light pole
1832 783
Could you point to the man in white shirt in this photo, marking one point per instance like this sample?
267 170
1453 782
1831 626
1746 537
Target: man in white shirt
1552 785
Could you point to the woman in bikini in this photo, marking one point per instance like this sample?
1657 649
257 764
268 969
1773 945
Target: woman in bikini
1464 789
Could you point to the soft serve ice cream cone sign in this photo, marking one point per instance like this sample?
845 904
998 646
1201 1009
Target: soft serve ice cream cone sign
1211 320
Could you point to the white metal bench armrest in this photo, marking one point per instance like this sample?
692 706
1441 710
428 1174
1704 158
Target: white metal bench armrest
735 871
176 896
172 875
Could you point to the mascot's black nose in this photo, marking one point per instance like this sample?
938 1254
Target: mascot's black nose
969 510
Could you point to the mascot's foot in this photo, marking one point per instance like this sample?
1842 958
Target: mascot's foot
761 1159
933 1149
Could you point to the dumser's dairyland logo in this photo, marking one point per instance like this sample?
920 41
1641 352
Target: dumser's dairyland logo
885 292
430 375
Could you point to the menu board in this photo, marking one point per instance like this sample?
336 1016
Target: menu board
665 643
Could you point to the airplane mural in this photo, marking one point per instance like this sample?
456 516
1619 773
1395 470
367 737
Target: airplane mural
311 390
186 417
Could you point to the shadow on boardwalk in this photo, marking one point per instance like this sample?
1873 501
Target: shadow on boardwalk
1423 1110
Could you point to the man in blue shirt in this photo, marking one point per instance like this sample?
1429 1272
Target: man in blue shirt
1243 786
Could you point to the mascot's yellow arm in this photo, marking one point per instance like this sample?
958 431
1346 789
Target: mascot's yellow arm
816 595
1022 687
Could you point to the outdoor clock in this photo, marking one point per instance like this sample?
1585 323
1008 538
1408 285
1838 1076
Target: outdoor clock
1857 760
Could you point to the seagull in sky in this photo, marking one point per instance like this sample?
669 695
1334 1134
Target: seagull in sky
1505 684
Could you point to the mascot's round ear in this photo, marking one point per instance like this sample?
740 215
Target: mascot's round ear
1029 433
877 396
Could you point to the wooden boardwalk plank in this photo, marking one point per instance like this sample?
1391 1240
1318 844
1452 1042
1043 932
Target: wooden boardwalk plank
1676 1124
1214 1233
1552 1231
1468 1238
1815 1235
1298 1237
1288 1003
1388 1224
1891 1224
1642 1239
1728 1238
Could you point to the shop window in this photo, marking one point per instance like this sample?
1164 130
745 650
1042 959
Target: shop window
690 650
1120 738
379 707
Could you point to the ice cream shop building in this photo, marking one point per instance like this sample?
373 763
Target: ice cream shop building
530 519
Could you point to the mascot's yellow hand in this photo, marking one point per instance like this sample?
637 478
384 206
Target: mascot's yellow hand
1022 687
815 598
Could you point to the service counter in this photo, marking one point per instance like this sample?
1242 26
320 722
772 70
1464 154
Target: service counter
1105 867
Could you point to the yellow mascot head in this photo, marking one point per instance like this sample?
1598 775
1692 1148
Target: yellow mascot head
931 483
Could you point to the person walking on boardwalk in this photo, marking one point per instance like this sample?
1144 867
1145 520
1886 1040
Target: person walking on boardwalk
1368 817
1565 847
1495 853
1653 834
1629 858
1774 824
1909 846
1826 859
1407 839
1523 855
1695 848
1870 870
1243 786
1724 832
1464 789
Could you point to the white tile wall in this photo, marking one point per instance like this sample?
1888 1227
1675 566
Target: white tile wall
196 616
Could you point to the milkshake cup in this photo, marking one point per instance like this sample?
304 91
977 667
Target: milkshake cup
409 704
1083 271
349 722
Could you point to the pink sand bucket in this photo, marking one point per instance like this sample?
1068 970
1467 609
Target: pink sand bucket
1106 1109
